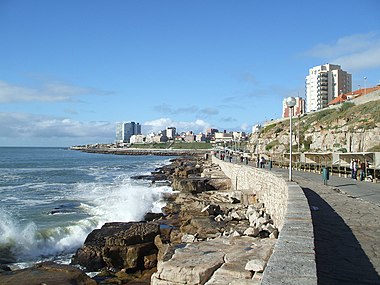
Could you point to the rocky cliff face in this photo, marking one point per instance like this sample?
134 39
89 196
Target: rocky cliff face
345 128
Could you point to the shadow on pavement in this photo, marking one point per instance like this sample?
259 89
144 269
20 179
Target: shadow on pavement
349 184
339 256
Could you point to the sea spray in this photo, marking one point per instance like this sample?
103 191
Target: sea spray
60 196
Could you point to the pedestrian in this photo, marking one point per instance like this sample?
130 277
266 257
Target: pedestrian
352 168
246 160
356 168
362 170
262 162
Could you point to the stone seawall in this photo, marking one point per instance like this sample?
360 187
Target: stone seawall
293 258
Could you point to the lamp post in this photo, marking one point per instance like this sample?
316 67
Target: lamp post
290 102
365 85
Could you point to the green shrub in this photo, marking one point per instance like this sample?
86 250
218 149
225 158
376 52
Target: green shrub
345 106
270 145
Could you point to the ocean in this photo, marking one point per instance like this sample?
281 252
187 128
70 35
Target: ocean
52 198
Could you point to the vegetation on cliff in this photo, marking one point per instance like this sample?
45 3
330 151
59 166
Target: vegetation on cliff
338 129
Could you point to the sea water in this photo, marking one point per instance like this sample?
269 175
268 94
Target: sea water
52 198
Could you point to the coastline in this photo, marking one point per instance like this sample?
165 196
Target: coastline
138 151
202 212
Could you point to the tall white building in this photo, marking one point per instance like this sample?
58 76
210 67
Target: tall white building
324 83
124 131
171 132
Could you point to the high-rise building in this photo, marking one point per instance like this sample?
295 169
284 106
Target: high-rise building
171 132
124 131
324 83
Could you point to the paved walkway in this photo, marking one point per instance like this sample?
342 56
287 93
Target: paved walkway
346 220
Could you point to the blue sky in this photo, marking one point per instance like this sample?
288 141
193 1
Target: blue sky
71 69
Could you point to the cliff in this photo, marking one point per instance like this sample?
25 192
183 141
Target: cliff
349 127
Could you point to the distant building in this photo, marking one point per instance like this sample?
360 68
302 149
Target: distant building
223 137
137 139
210 132
160 138
200 137
239 136
298 109
189 137
124 131
324 83
256 128
171 133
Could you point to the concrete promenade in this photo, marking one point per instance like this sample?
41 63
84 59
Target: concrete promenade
346 221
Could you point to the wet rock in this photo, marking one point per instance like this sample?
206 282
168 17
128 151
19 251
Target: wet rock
46 273
118 245
148 217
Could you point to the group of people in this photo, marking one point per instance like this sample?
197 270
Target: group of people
358 166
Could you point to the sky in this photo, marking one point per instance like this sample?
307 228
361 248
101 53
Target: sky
71 69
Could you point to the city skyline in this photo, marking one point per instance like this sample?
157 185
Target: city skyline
71 70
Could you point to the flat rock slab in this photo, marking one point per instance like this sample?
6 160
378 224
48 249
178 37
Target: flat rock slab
218 261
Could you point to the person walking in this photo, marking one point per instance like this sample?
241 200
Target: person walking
262 162
352 168
356 168
362 170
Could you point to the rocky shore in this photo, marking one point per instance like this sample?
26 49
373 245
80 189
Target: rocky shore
207 234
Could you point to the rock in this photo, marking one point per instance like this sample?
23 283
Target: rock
46 273
255 265
202 227
119 245
188 238
152 216
191 185
193 264
252 232
213 210
4 268
274 234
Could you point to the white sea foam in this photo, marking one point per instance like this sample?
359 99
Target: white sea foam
123 200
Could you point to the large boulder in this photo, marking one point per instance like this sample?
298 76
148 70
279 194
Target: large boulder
46 273
192 185
120 246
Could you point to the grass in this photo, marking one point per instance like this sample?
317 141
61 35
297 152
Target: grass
176 145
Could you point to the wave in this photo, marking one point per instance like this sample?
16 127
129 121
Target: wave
122 201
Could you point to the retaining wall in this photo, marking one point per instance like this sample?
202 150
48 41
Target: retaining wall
293 258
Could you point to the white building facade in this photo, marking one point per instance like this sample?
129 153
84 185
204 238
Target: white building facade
324 83
124 131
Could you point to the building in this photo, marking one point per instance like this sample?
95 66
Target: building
298 109
137 139
223 137
171 133
256 129
324 83
124 131
200 137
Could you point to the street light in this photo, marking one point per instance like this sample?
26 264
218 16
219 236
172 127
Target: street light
365 85
290 102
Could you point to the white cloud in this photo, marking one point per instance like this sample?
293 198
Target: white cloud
157 125
354 52
48 92
168 109
362 60
24 125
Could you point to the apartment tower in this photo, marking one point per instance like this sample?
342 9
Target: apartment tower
124 131
324 83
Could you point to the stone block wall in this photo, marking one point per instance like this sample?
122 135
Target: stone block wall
293 258
269 188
